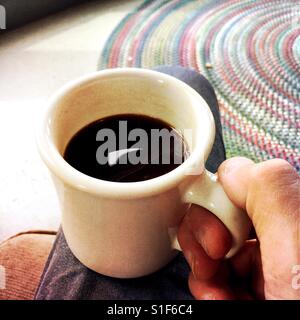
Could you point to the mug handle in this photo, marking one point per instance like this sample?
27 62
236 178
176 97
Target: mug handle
206 191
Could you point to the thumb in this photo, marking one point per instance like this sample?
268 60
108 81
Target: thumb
269 192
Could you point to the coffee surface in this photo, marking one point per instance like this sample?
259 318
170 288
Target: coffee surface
126 148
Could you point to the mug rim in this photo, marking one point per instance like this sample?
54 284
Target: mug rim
125 190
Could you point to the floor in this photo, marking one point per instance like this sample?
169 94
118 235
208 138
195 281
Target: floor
35 61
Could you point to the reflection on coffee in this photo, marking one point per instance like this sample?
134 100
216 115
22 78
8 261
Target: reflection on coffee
126 148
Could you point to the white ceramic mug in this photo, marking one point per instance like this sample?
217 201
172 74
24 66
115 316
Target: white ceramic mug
128 230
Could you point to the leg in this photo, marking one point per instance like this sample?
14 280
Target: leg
65 278
204 88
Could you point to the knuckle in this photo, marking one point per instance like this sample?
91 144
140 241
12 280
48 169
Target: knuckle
275 184
274 172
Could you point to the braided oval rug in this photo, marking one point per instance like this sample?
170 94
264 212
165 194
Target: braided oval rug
248 50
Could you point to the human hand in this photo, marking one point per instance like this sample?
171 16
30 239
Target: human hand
262 269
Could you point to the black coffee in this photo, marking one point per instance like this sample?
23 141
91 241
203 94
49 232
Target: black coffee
126 148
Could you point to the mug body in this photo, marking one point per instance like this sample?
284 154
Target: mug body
124 229
122 238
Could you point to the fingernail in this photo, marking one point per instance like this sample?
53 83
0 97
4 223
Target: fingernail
200 237
205 247
233 164
192 263
189 257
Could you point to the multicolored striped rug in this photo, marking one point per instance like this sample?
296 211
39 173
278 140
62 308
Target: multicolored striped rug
249 50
